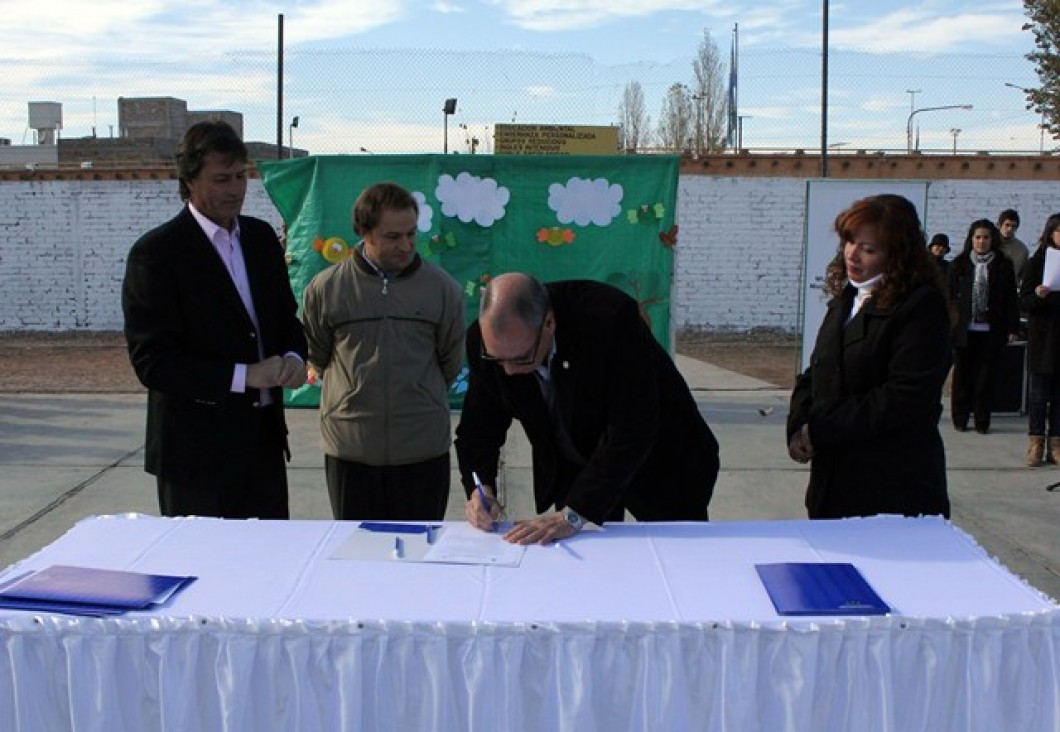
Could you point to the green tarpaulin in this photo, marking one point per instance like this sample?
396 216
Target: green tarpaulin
607 218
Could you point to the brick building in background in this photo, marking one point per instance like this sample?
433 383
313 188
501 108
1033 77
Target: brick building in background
149 129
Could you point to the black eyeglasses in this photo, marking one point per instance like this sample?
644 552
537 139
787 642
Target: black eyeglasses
527 359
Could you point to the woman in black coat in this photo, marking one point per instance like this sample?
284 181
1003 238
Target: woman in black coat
982 287
866 412
1042 306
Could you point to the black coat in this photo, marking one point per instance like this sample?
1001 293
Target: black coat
872 397
1043 319
186 328
624 404
1004 314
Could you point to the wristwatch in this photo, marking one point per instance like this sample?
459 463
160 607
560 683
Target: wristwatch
574 519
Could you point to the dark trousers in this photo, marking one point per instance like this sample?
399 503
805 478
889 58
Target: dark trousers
261 494
417 492
1043 403
974 368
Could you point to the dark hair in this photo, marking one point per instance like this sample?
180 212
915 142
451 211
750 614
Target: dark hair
995 236
1009 214
201 139
1051 224
369 206
899 235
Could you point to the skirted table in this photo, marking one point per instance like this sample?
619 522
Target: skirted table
635 627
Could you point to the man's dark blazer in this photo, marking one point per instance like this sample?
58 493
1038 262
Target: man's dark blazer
625 407
186 328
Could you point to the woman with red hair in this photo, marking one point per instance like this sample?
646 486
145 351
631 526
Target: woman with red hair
865 414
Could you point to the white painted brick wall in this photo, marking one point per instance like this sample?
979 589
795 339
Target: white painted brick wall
63 244
739 251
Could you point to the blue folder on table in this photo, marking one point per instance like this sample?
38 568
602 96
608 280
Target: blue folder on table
86 591
819 588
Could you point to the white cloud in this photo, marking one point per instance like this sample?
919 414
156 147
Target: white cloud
447 8
471 198
329 131
921 31
423 222
882 103
568 15
930 27
585 201
160 30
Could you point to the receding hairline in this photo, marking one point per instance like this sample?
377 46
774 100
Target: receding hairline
514 296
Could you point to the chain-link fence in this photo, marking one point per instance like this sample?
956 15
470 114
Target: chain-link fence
351 100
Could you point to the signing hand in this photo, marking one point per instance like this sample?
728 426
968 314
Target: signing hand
1042 291
543 530
477 514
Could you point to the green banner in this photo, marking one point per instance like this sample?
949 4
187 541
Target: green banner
606 218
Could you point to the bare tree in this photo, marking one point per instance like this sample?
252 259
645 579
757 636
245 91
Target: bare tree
676 120
633 120
709 97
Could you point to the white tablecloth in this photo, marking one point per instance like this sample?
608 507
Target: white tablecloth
639 627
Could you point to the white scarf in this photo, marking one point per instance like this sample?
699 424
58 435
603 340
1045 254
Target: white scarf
864 292
981 285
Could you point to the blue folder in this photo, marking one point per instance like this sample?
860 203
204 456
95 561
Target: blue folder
86 591
803 588
389 527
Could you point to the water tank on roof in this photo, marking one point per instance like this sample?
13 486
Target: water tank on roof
46 118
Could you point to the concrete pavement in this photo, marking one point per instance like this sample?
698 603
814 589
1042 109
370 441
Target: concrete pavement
65 457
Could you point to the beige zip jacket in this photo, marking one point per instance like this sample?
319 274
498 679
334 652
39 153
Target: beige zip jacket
388 349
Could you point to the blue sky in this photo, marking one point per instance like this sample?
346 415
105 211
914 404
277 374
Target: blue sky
86 54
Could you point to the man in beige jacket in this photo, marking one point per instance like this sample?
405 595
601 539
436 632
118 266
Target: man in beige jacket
386 331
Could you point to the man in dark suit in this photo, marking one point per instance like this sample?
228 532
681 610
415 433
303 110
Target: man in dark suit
611 422
212 333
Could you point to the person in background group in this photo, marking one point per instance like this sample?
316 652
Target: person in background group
866 412
939 246
611 422
386 331
982 287
1042 306
1008 222
212 330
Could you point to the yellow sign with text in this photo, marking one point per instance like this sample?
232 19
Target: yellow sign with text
554 140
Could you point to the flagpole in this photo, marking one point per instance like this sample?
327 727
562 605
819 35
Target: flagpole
734 86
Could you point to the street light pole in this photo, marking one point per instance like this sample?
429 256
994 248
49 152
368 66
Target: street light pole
824 88
909 122
912 105
955 131
447 109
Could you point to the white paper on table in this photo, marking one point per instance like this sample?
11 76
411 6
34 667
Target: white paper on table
464 544
1051 275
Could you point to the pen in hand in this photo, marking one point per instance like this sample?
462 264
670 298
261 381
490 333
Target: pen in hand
482 497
